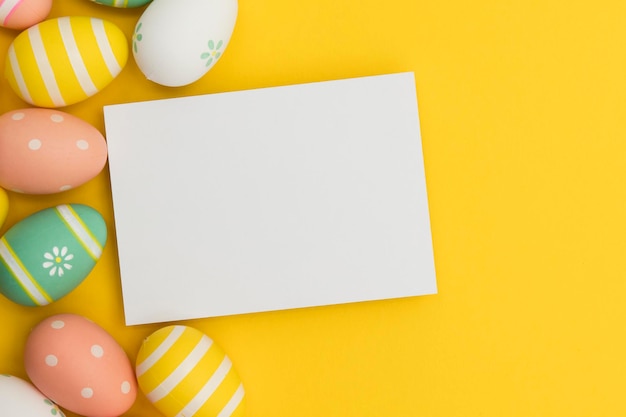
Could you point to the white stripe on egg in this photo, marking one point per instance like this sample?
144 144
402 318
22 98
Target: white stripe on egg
92 246
22 277
207 390
19 77
6 8
105 47
182 370
45 69
76 61
232 403
158 353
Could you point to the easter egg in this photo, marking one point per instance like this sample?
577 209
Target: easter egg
176 42
46 255
184 373
21 398
122 3
45 151
4 206
65 60
20 14
80 366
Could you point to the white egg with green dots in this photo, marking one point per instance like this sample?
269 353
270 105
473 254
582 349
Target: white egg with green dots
175 43
20 398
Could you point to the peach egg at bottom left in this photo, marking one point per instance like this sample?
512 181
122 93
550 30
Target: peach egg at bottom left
45 151
80 367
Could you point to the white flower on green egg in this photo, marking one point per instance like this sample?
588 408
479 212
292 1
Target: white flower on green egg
57 261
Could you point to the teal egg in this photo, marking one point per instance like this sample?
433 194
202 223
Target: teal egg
122 3
48 254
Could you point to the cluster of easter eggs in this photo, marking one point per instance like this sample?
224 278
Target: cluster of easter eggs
75 365
59 62
62 61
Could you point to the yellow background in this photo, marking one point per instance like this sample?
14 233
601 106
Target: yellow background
523 111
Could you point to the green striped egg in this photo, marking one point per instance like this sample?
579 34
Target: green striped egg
46 255
63 61
123 3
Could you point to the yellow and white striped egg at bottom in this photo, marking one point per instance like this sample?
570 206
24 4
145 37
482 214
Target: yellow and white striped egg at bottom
63 61
185 374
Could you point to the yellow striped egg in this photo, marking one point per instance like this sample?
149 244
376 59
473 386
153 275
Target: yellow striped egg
185 374
65 60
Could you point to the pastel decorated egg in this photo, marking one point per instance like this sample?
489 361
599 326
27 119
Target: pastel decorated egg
176 42
21 398
79 366
184 373
65 60
122 3
20 14
4 206
46 255
44 151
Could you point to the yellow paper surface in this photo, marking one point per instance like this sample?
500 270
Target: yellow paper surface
523 110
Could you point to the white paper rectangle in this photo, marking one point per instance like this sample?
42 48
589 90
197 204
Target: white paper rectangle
270 199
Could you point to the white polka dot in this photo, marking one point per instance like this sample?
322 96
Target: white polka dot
18 116
58 324
56 118
34 144
52 360
65 188
97 351
82 144
125 387
86 393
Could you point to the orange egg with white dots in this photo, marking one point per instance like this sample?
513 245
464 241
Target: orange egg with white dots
80 367
45 151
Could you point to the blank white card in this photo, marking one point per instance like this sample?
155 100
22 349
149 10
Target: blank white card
270 199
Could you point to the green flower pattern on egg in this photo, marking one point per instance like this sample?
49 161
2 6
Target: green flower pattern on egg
137 37
55 411
213 53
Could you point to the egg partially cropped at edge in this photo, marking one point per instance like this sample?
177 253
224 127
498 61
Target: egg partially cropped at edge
19 398
122 4
49 253
44 151
20 14
183 372
79 366
175 43
65 60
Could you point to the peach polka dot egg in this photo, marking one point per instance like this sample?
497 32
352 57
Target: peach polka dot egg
44 151
80 367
